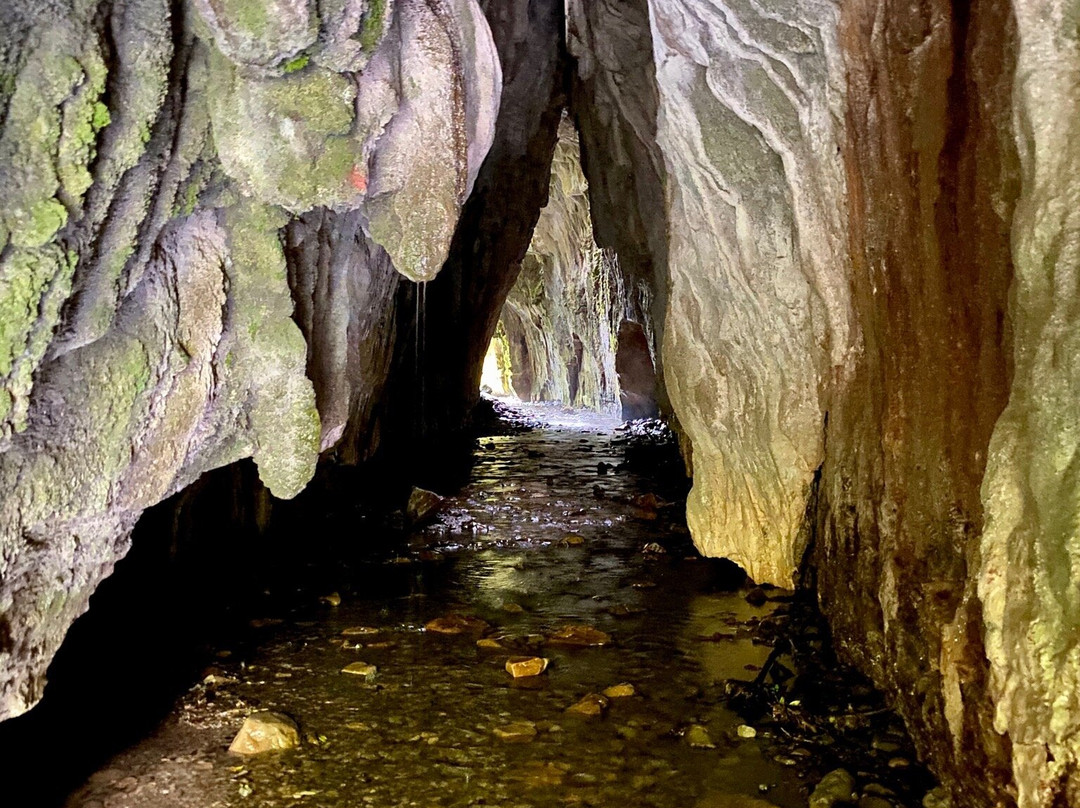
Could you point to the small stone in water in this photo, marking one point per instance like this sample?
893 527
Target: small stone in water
836 787
359 631
333 599
698 737
265 732
653 548
899 763
516 732
526 666
573 539
746 731
456 624
591 706
578 636
620 691
512 608
422 505
361 669
756 596
489 644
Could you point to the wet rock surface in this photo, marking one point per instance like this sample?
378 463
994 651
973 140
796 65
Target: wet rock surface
443 723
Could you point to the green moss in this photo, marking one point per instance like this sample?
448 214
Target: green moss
38 224
83 117
272 359
296 64
250 16
373 26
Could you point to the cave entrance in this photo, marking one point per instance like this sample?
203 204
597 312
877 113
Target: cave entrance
573 330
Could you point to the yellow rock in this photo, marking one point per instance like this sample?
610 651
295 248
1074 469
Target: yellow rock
578 636
265 732
456 624
362 669
591 706
620 691
516 732
333 599
526 666
573 539
512 608
489 644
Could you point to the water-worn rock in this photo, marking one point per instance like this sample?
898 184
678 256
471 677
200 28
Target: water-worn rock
265 732
578 636
516 732
836 788
361 669
697 737
456 624
591 706
620 691
520 667
422 505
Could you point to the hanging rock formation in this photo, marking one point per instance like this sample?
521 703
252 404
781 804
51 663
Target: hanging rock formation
153 156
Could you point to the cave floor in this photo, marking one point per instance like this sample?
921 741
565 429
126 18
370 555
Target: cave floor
538 540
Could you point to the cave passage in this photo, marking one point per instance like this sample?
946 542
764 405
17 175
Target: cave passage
568 543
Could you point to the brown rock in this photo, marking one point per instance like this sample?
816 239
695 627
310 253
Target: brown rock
457 624
423 505
519 667
361 669
516 732
591 706
578 636
620 691
489 644
265 732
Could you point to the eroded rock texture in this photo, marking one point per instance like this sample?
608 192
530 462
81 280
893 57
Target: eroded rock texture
178 178
562 319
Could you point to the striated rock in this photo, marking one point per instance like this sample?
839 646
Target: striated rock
265 732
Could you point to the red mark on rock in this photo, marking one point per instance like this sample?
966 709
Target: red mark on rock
358 179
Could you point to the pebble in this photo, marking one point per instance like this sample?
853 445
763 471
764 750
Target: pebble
359 631
698 737
591 706
361 669
836 787
578 636
489 644
456 624
333 599
519 667
899 763
516 732
756 596
620 691
746 731
512 608
265 732
573 539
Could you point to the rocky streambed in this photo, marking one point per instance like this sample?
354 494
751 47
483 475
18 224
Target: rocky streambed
548 638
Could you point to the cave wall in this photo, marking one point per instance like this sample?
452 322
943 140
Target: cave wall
867 335
169 168
561 320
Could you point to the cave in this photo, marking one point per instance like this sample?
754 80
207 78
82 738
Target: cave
540 402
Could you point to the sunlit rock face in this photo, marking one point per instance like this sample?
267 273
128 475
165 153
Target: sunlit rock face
208 208
867 281
561 321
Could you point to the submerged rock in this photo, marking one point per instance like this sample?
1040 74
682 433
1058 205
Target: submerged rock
361 669
265 732
697 737
516 732
620 691
836 788
578 636
456 624
591 706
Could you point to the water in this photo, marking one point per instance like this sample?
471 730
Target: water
422 732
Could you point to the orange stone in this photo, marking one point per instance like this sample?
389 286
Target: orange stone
519 667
